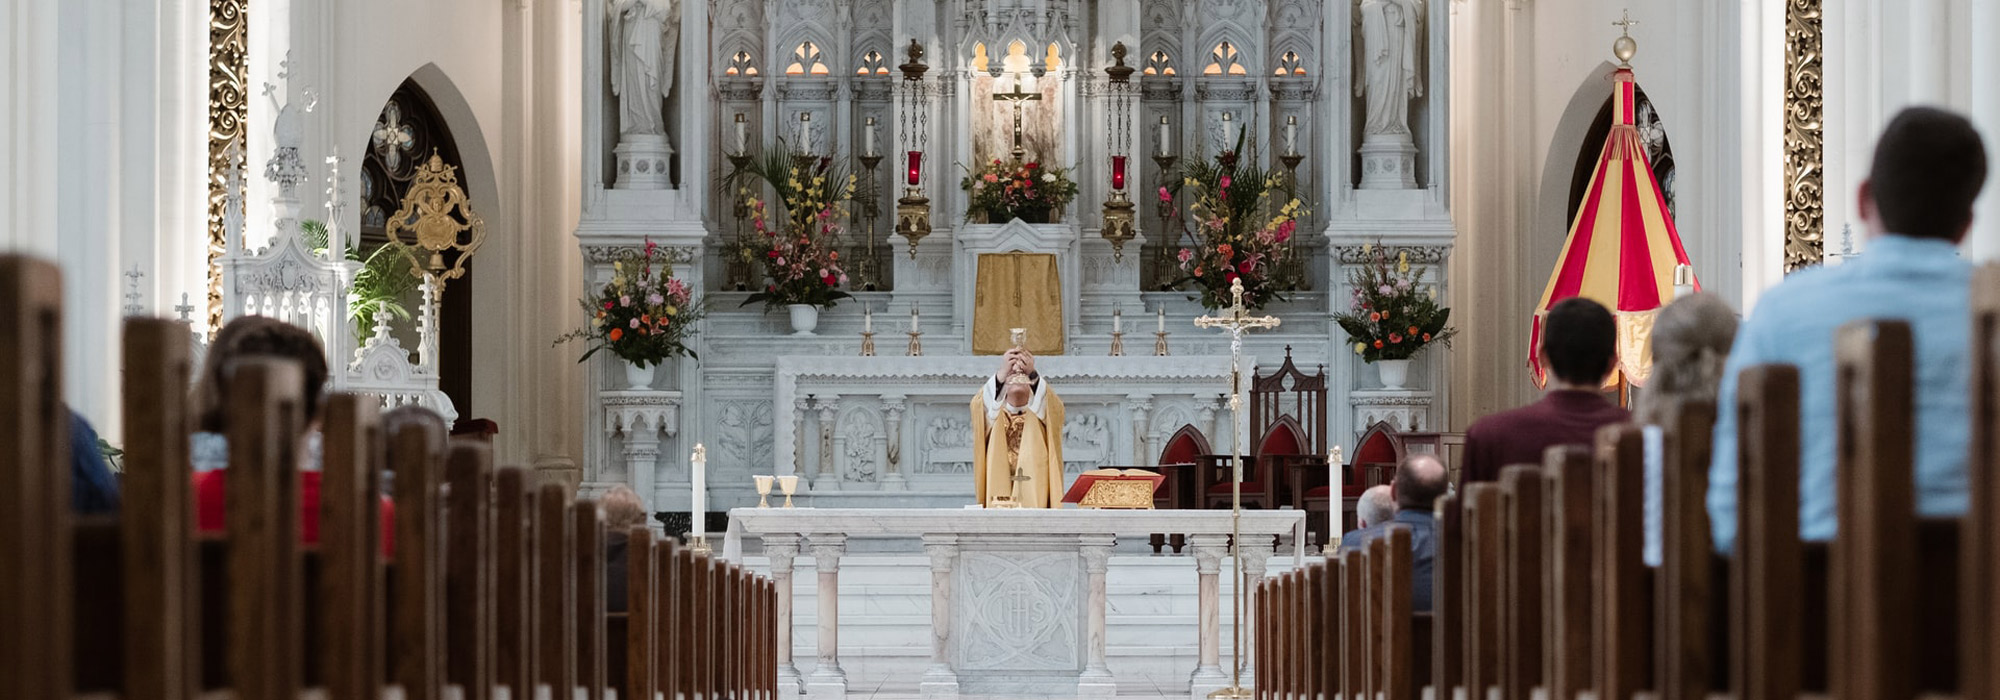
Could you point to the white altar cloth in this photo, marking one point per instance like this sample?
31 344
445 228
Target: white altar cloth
1017 596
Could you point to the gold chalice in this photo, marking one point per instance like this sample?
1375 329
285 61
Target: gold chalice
788 484
763 490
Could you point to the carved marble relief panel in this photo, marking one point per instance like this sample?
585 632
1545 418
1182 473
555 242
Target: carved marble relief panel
1019 611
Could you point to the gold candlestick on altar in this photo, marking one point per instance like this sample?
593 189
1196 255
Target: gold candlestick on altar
1160 344
916 344
867 344
1117 344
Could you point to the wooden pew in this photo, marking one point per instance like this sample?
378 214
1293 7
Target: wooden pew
591 613
160 638
419 579
1448 599
1622 654
642 610
1767 652
351 593
1393 572
35 524
1569 633
555 592
513 582
1979 644
468 577
1521 581
1684 602
1874 555
1482 588
266 648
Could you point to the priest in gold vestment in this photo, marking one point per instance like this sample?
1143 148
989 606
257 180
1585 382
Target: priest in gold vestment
1017 430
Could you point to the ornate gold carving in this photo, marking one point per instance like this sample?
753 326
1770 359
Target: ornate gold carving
1805 217
228 108
436 212
1118 493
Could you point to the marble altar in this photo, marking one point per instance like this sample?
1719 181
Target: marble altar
1018 600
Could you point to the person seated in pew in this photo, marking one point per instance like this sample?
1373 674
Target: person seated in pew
249 337
1372 511
622 512
1580 348
1419 482
1691 341
1916 205
93 489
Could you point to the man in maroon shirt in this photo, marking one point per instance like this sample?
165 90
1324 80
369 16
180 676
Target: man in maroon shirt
1579 346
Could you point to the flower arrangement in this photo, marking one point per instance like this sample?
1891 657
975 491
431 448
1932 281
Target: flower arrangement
1240 219
644 315
1393 314
1029 191
799 252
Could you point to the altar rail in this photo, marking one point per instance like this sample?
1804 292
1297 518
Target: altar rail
948 534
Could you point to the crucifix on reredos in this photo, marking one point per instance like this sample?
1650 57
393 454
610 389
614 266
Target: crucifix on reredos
1039 99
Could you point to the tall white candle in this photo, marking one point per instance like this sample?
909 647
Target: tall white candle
698 511
867 320
868 138
742 133
913 318
1163 319
1291 135
1333 495
1117 319
1165 147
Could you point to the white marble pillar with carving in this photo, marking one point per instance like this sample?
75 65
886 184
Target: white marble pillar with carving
892 418
940 681
1209 551
827 680
782 550
642 419
1140 406
828 410
1215 420
801 409
1096 680
1255 557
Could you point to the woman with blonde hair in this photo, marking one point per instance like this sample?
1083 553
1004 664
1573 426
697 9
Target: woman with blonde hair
1691 342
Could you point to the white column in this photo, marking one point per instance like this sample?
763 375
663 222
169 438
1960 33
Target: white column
892 418
1097 680
940 681
1139 406
828 408
827 680
1208 553
1253 558
1983 243
800 410
781 549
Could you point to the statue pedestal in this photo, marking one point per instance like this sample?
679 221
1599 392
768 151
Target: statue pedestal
1388 162
1405 410
643 162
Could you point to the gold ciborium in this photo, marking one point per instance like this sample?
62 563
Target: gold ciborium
788 484
763 490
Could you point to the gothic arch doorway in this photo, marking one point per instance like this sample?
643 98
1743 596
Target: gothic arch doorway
1659 152
405 134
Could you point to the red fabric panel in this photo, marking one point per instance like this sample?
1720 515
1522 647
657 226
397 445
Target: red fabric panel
210 510
1638 290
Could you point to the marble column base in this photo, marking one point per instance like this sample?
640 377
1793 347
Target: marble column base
790 685
642 162
1096 684
1388 162
828 686
939 684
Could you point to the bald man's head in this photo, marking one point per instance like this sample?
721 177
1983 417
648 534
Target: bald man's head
1420 480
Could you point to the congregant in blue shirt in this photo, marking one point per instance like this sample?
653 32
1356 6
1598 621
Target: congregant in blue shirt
1928 168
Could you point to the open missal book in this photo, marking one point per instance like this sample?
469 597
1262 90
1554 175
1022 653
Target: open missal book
1114 488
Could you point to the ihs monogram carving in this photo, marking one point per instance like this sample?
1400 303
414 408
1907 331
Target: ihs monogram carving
1015 619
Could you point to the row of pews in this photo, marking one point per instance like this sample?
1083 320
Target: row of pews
1541 590
496 587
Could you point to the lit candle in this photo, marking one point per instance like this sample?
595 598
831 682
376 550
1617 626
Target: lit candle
913 318
1333 495
1291 135
868 138
867 320
1165 144
699 508
1163 319
742 133
1118 172
1117 319
916 166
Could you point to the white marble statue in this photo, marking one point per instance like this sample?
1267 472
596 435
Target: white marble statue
1388 62
647 33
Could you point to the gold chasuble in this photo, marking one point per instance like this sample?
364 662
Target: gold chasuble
1030 439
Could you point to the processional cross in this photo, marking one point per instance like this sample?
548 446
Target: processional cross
1019 98
1237 322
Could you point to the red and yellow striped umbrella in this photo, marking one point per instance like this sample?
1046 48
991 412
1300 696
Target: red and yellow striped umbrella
1622 249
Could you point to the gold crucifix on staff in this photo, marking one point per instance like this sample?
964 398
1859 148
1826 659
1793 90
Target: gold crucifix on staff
1236 322
1019 97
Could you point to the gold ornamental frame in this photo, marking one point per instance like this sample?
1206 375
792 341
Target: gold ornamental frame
228 109
427 213
1805 136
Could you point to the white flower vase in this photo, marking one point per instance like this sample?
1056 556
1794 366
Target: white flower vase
1395 373
639 378
805 318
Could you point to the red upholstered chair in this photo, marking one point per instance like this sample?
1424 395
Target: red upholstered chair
1288 425
1179 461
1263 473
1373 462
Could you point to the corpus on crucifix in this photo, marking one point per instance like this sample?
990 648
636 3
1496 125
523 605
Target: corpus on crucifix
1023 93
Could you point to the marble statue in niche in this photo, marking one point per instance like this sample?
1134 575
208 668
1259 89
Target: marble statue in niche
642 63
1391 34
